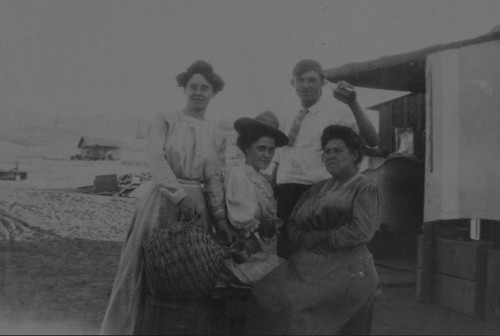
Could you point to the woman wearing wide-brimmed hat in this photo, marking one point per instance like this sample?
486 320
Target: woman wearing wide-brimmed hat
185 156
251 206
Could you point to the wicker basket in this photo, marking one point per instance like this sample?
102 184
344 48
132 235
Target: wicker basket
182 262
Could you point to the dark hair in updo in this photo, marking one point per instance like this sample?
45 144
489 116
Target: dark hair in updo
206 70
247 138
346 134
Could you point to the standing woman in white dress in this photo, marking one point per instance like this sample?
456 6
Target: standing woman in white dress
185 156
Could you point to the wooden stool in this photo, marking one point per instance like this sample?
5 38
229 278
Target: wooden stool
164 317
232 303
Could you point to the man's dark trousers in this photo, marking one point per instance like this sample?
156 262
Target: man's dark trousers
287 195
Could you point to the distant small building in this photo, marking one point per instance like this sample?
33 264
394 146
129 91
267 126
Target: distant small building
92 148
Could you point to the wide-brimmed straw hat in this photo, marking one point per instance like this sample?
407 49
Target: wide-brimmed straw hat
266 121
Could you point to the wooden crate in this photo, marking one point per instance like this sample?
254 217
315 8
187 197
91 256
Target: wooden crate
461 259
106 183
492 302
463 296
418 279
459 280
459 275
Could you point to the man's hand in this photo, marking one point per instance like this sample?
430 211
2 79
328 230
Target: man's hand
188 210
345 93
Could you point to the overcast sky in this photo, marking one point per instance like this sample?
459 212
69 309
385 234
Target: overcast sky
67 59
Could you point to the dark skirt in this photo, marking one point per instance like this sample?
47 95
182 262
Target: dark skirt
313 294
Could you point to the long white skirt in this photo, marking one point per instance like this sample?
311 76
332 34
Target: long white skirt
128 296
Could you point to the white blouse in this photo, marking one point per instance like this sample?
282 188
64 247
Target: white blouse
180 148
249 198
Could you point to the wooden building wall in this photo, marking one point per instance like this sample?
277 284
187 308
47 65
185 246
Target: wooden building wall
404 112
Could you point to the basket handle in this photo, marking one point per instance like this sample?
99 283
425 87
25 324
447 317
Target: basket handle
182 225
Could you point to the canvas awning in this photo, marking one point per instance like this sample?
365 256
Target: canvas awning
402 72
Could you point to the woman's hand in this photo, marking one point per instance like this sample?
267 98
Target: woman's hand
268 228
321 249
188 210
224 227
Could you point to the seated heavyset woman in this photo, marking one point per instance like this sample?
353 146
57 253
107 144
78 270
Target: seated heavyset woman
251 207
332 274
184 151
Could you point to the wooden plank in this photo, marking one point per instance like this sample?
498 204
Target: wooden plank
404 108
386 129
399 113
425 281
418 285
463 296
420 241
492 301
462 259
417 121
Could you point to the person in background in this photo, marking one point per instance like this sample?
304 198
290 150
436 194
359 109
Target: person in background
332 275
185 156
251 206
298 165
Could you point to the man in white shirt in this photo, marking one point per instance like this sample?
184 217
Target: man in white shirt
299 165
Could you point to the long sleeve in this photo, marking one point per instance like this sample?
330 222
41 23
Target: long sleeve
160 169
214 177
365 220
242 204
294 228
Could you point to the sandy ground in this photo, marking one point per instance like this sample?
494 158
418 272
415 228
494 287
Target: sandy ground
29 214
59 250
59 247
55 286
